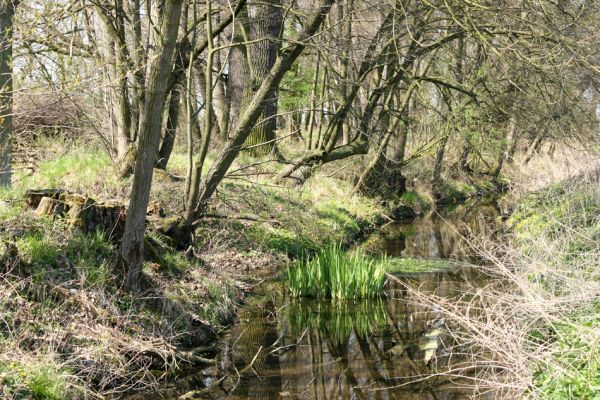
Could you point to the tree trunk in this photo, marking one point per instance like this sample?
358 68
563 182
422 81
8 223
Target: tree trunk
116 56
239 72
265 22
199 82
132 248
7 12
380 168
463 159
535 145
439 161
510 157
222 101
139 60
506 145
346 34
168 142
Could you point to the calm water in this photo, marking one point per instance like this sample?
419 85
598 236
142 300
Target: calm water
393 348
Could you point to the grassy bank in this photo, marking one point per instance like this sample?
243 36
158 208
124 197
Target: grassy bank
559 227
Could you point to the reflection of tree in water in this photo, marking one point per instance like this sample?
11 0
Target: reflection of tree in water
368 349
346 350
257 333
438 236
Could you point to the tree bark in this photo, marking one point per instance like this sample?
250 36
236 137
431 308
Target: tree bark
132 248
222 100
239 72
265 22
116 54
368 179
168 142
7 12
439 161
506 145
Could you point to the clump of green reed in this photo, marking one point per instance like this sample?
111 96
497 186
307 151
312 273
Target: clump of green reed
334 273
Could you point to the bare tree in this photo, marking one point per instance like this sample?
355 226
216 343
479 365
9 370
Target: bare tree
132 247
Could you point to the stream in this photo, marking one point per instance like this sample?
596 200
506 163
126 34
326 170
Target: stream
392 348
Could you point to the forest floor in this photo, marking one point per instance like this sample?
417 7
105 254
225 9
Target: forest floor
68 329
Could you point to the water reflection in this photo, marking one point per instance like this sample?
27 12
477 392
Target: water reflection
392 348
449 234
380 349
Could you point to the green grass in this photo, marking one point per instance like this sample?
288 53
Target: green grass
306 221
49 248
449 192
87 171
293 243
38 380
574 372
334 273
415 201
549 213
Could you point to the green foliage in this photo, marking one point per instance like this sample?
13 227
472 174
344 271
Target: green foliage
340 219
323 214
93 256
83 170
296 87
38 248
334 273
449 192
407 206
552 211
39 380
574 372
414 199
49 248
11 202
221 305
564 219
284 241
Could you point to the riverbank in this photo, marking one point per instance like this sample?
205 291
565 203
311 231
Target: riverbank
559 229
68 328
535 330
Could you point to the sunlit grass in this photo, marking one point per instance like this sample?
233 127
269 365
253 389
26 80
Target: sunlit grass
39 380
334 273
87 171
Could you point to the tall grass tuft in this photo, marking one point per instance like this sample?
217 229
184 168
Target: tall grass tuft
334 273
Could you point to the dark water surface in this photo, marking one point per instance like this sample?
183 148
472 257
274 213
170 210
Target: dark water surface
392 348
